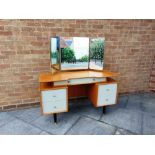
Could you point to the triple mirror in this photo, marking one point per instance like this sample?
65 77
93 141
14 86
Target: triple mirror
75 53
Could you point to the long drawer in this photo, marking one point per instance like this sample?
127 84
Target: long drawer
79 81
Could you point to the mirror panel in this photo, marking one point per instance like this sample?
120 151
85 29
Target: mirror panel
74 53
54 53
96 53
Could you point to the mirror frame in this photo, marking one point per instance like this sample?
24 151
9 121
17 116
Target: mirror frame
57 67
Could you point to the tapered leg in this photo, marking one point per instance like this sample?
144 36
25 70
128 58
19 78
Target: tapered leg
104 110
55 118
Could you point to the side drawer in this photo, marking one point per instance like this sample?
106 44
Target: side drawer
107 94
54 101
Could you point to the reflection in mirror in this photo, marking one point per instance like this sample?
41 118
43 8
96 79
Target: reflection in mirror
54 54
54 51
96 53
74 52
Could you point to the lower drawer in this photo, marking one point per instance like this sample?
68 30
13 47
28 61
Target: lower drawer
55 107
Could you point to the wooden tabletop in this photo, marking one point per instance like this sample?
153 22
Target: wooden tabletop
61 76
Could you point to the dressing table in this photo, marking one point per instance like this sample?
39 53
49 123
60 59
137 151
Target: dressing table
58 86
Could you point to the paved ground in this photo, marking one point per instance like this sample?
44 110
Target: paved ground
134 114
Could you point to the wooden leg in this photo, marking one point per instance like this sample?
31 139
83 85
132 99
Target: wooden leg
55 118
104 110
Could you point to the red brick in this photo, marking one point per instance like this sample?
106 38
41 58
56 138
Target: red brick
98 26
24 52
28 28
39 52
37 43
69 30
5 33
23 105
81 21
8 52
4 66
1 28
8 107
26 77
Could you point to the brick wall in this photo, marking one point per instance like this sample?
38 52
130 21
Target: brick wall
24 53
152 78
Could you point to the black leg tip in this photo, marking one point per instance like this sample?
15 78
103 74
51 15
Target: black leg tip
55 118
104 110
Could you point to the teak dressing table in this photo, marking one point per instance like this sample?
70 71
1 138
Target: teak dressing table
57 88
76 71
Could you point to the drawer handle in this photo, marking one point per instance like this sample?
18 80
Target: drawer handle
93 79
54 95
55 107
108 89
107 100
68 81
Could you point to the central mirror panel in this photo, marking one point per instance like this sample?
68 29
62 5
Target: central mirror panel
74 53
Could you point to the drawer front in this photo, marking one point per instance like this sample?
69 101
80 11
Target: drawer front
54 101
52 95
60 83
107 94
79 81
100 79
85 80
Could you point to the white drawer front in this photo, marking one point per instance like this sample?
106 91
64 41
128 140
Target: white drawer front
100 79
107 94
54 100
79 81
86 80
52 95
60 83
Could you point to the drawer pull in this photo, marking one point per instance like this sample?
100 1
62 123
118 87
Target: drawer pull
55 107
107 100
93 79
68 81
54 95
108 89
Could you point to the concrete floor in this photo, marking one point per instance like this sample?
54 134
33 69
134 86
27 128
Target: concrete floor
134 114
